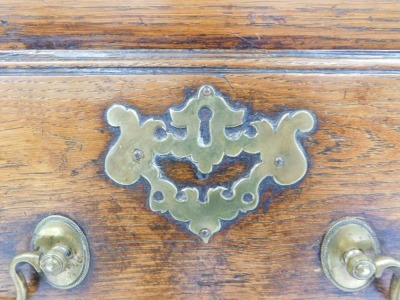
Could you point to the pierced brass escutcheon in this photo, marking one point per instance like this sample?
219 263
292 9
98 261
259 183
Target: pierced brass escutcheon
213 130
59 253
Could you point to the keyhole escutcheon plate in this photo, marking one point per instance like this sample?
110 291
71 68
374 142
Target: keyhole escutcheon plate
213 129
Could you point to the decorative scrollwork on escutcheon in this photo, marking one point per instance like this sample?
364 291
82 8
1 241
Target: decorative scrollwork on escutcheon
227 133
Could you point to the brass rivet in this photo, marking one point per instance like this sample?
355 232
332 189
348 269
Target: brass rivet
205 232
181 196
207 91
138 154
279 162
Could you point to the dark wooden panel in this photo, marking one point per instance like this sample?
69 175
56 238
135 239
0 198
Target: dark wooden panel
124 24
53 140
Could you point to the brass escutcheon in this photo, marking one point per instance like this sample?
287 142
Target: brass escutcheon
213 130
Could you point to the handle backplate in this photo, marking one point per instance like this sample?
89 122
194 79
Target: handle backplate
60 254
342 237
62 234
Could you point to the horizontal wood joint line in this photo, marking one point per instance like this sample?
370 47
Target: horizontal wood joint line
198 61
52 71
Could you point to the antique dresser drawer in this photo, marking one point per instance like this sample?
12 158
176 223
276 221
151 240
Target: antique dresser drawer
56 134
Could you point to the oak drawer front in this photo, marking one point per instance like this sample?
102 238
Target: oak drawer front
54 138
183 24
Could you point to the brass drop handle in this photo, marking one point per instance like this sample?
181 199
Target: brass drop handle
18 278
350 257
386 262
60 254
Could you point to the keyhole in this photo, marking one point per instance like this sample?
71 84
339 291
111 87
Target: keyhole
205 114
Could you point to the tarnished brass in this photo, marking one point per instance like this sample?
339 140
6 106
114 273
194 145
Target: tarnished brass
60 254
350 257
205 143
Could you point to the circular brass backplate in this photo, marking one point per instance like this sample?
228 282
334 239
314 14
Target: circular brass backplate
55 231
344 235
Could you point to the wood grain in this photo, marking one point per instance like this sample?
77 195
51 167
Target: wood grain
53 139
191 24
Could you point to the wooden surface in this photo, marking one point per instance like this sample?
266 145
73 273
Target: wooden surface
244 24
53 139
